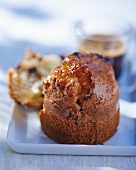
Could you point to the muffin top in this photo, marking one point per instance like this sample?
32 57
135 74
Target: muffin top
86 80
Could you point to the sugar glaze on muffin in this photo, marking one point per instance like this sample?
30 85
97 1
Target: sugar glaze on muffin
81 103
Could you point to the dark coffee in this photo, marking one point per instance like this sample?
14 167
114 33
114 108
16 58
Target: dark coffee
117 64
111 47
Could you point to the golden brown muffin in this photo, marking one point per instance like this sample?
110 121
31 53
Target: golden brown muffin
25 82
81 104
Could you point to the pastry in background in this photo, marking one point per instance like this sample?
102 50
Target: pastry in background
25 82
81 103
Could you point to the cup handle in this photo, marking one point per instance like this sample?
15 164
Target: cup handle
78 28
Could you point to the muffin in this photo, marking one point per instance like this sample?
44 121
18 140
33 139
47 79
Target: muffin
25 82
81 103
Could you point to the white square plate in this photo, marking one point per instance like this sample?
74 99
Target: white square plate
25 136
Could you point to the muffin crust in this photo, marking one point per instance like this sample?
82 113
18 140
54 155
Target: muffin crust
81 101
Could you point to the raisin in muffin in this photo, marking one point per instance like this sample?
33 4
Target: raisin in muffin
81 103
25 82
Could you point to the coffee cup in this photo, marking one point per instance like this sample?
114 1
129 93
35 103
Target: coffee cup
107 34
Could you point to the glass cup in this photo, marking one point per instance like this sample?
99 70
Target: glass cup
107 34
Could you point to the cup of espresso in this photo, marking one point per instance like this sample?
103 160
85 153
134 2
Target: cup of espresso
106 34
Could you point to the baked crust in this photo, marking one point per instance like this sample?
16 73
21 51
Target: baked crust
81 103
64 130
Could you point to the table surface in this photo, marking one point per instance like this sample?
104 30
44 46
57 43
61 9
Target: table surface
13 41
